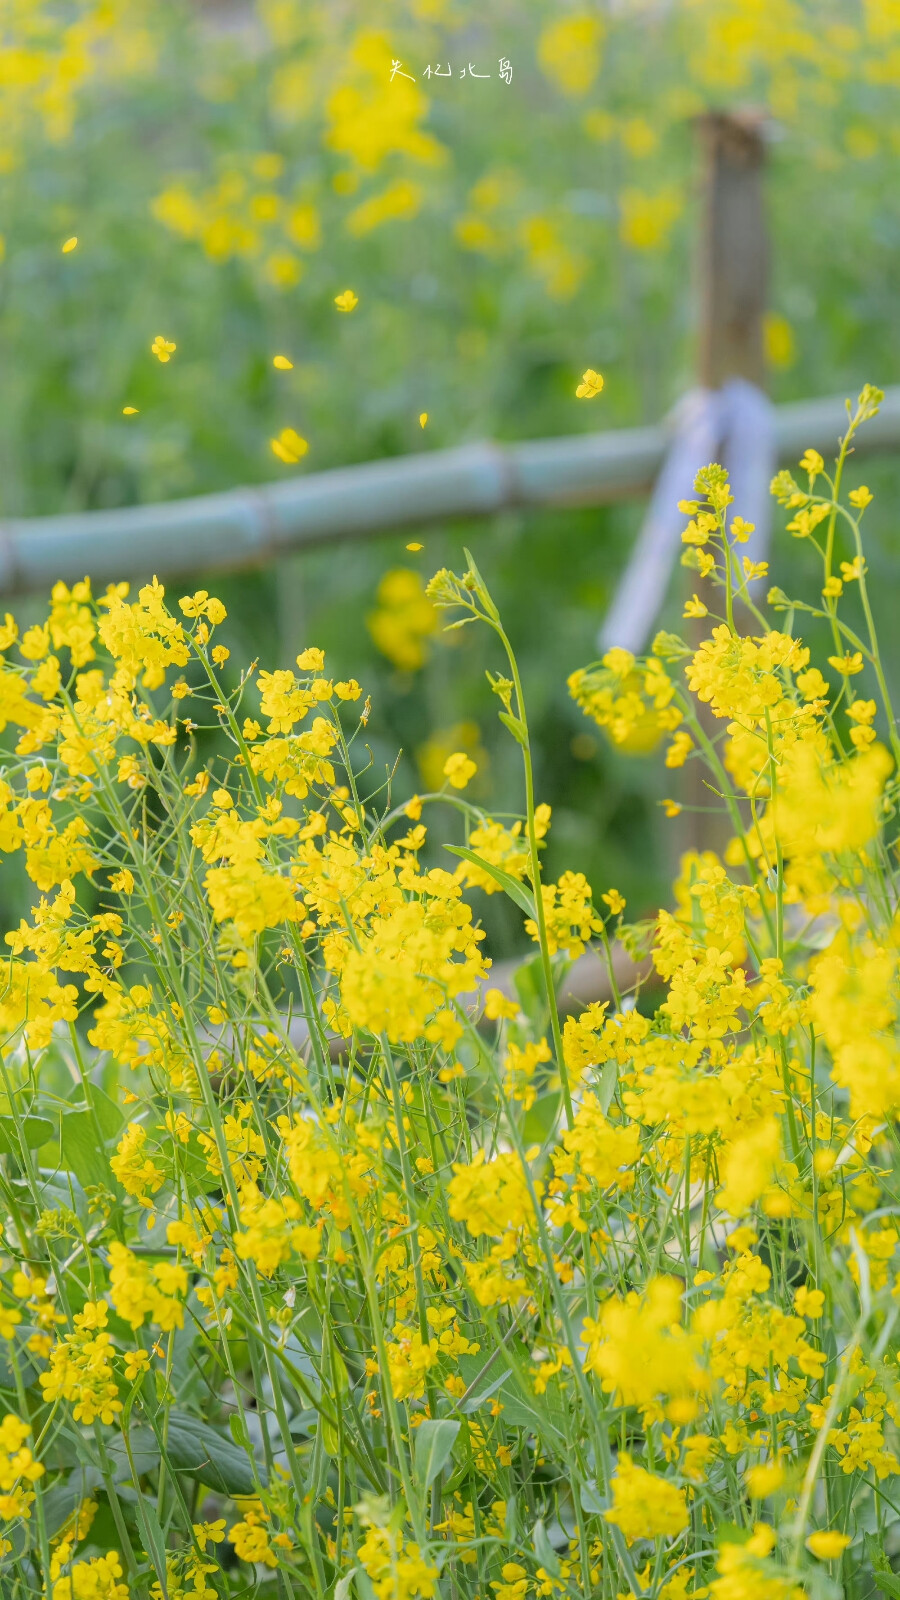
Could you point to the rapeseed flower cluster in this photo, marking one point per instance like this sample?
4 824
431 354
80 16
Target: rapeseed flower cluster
330 1268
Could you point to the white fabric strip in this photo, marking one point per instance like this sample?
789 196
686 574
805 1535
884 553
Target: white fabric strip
734 425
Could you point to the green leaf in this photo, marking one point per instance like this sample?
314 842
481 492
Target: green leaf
516 727
237 1427
203 1453
110 1116
187 1371
550 1422
591 1500
531 989
732 1533
342 1587
609 1077
541 1119
483 1395
329 1433
434 1442
875 1553
144 1451
60 1502
887 1583
34 1130
151 1531
511 886
82 1153
29 1364
364 1585
331 1439
340 1375
544 1550
193 1168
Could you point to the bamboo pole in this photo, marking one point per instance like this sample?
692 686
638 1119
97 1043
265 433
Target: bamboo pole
251 526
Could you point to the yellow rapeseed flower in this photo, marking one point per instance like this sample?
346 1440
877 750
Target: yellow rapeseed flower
591 384
828 1545
459 768
289 447
848 664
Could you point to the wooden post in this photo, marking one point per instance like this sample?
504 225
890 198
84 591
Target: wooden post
734 265
732 283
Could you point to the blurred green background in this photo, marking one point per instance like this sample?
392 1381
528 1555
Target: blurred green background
228 169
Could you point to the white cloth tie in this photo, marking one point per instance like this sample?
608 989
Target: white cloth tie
734 425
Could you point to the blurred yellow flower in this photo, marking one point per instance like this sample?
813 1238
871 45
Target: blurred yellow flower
432 756
69 245
778 340
638 137
764 1479
591 384
598 125
809 1302
303 228
346 301
372 116
646 220
679 749
282 363
569 52
828 1544
282 269
559 268
401 199
404 619
289 446
163 348
459 768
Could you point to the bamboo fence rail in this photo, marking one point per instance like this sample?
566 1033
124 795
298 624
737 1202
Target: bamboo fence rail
250 526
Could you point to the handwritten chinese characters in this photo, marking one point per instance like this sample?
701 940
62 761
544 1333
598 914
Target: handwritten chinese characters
399 71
